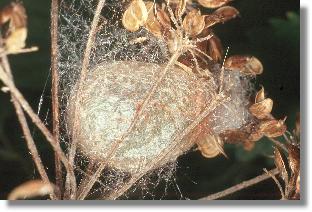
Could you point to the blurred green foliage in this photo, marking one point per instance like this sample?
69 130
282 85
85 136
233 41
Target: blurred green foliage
267 29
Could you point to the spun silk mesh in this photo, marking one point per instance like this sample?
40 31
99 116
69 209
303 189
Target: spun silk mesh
119 78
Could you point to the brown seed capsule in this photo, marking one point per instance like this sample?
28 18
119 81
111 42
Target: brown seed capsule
194 23
262 109
152 24
211 146
135 16
245 64
226 13
215 50
213 3
273 128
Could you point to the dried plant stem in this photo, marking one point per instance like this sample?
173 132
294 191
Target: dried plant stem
278 143
276 182
241 186
5 66
90 182
55 93
83 73
35 119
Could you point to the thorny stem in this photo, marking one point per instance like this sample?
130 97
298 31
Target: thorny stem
83 73
55 93
5 66
35 119
241 186
116 144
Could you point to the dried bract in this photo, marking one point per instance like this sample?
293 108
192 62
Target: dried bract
215 50
158 22
260 96
213 3
135 16
226 13
211 146
248 65
273 128
262 109
194 23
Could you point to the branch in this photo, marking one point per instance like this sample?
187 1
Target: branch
5 66
35 119
55 93
83 73
241 186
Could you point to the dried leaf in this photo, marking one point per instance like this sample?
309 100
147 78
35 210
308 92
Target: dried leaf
226 13
215 50
31 189
280 163
273 128
262 109
135 16
213 3
260 96
245 64
211 146
294 158
194 23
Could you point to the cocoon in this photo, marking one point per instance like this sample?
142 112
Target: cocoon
113 93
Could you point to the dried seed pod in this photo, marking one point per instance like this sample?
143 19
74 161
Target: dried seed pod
213 3
152 24
194 23
260 96
135 16
246 64
280 163
211 146
226 13
215 50
262 109
158 22
31 189
273 128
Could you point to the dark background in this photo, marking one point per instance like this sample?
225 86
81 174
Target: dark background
266 29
